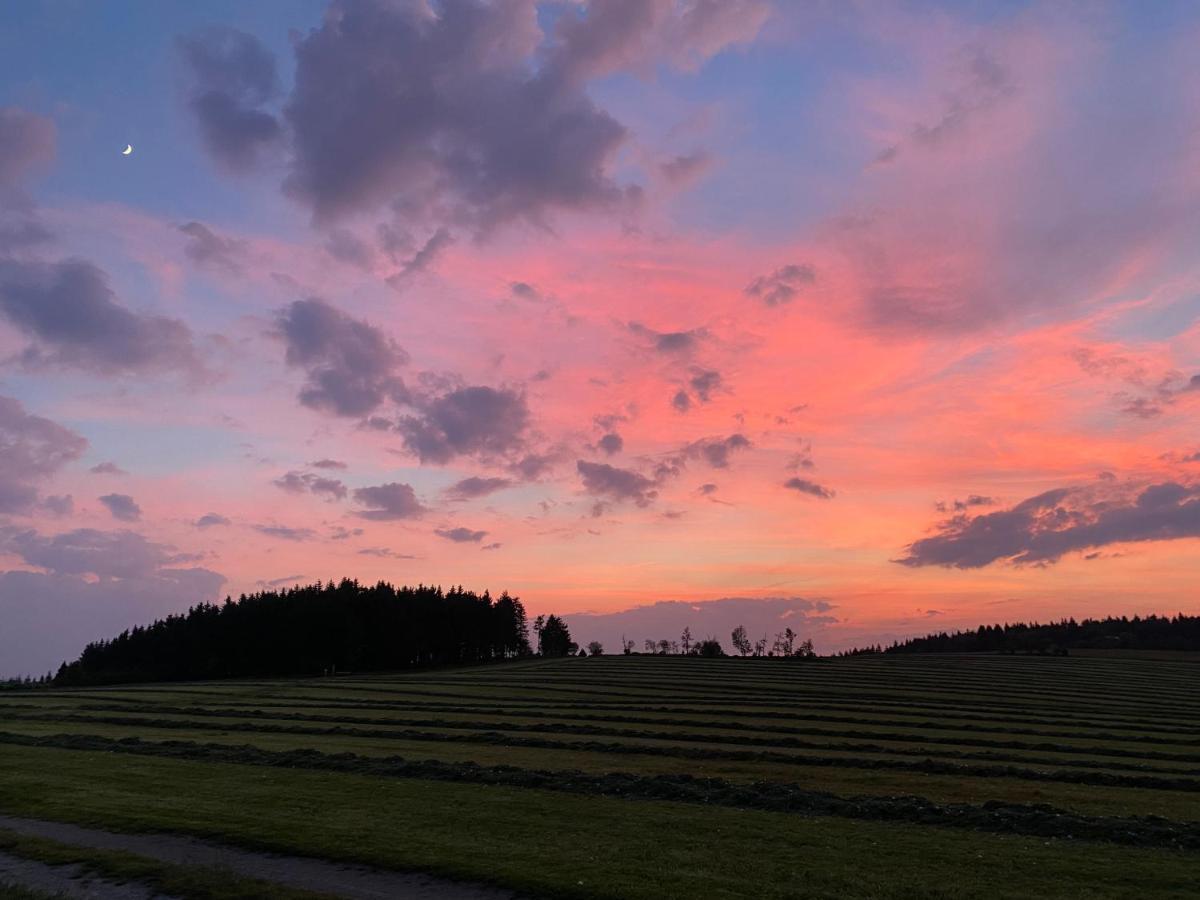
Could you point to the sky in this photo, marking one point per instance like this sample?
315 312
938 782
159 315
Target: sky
866 319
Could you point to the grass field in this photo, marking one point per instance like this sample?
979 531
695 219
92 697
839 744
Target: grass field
890 776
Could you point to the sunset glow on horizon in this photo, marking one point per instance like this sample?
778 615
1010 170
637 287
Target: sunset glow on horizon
884 313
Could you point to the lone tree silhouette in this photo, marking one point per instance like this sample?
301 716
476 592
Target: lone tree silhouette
554 638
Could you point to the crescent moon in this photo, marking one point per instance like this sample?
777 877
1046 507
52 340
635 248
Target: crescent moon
128 149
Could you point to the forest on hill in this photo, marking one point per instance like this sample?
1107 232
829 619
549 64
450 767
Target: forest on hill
317 629
1177 632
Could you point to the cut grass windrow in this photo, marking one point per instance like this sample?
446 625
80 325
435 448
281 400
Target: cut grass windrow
994 816
501 733
566 718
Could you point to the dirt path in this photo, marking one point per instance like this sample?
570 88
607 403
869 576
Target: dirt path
67 881
349 881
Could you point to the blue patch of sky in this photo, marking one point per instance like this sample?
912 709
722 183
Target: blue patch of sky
109 74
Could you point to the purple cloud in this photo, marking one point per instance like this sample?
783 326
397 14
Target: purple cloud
351 365
285 532
74 318
207 248
479 421
390 501
612 443
443 110
603 480
1045 527
470 488
716 451
805 486
782 285
328 464
31 449
461 535
232 76
122 507
306 482
28 141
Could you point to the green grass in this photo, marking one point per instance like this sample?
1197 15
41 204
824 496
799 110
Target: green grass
10 891
548 843
1111 801
1032 716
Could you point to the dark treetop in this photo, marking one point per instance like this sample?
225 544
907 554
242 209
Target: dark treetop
311 630
1179 632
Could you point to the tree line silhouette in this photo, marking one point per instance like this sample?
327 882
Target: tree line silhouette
787 643
320 629
329 628
1153 632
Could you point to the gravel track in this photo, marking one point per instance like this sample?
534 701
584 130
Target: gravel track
349 881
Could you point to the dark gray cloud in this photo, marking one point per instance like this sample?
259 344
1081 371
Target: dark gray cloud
285 532
385 553
19 228
533 465
232 77
1140 407
95 584
31 449
351 365
210 520
76 322
390 501
350 248
704 382
470 488
708 489
307 482
443 111
716 451
961 505
670 342
461 535
460 112
122 507
50 618
327 463
599 38
681 401
88 551
686 167
986 81
478 421
207 248
423 258
806 486
525 291
59 504
612 443
107 468
782 285
603 480
1045 527
27 142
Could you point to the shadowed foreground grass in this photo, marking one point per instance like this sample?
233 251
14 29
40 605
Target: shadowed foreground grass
185 882
559 845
